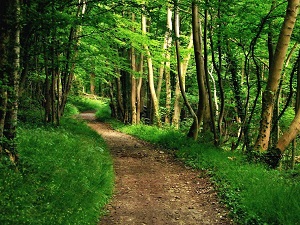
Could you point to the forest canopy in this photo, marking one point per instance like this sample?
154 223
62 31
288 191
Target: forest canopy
223 71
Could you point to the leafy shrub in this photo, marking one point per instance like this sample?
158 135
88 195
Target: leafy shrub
70 110
104 113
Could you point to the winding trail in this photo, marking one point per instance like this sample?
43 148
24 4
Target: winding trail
153 188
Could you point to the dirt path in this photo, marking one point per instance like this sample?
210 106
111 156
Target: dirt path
153 188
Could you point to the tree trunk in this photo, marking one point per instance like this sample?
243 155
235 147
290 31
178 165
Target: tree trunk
165 65
92 83
9 75
262 142
151 77
291 133
120 108
133 88
197 37
276 129
177 94
139 102
168 38
179 69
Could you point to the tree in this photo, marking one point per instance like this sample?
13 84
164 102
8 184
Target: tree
197 37
262 142
9 75
151 75
179 70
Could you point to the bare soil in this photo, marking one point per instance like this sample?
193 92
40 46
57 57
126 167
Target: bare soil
154 188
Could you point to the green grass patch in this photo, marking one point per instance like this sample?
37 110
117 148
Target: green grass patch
253 193
164 137
104 113
65 176
87 104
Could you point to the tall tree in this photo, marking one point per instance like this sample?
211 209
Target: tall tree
289 135
9 75
151 75
262 142
179 71
197 39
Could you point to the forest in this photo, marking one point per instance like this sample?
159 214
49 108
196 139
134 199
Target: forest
220 74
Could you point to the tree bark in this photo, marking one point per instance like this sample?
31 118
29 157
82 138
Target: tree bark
179 69
197 39
262 142
291 133
151 77
92 82
177 94
9 74
133 88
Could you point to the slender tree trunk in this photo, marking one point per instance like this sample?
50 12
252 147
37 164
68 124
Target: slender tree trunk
67 74
133 88
262 142
218 69
151 77
297 108
277 99
92 82
179 69
139 90
168 38
165 65
113 107
212 116
197 36
291 134
177 94
9 75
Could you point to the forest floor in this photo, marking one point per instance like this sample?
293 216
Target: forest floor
153 187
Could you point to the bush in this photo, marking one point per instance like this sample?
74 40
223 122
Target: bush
104 113
70 110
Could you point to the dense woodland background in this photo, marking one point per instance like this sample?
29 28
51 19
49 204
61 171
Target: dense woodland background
228 70
226 73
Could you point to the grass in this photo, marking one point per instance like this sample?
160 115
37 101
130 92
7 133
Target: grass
65 176
87 104
253 193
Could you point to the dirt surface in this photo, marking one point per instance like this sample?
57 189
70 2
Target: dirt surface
154 188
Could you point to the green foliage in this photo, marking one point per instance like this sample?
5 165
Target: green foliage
287 118
104 113
167 138
253 193
65 176
87 104
70 110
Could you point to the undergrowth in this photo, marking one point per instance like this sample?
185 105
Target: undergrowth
253 193
87 104
65 176
79 104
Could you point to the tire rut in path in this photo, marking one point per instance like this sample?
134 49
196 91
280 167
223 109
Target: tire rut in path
153 188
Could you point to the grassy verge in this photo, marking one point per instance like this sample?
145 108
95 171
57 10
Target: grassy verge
65 176
86 104
253 193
